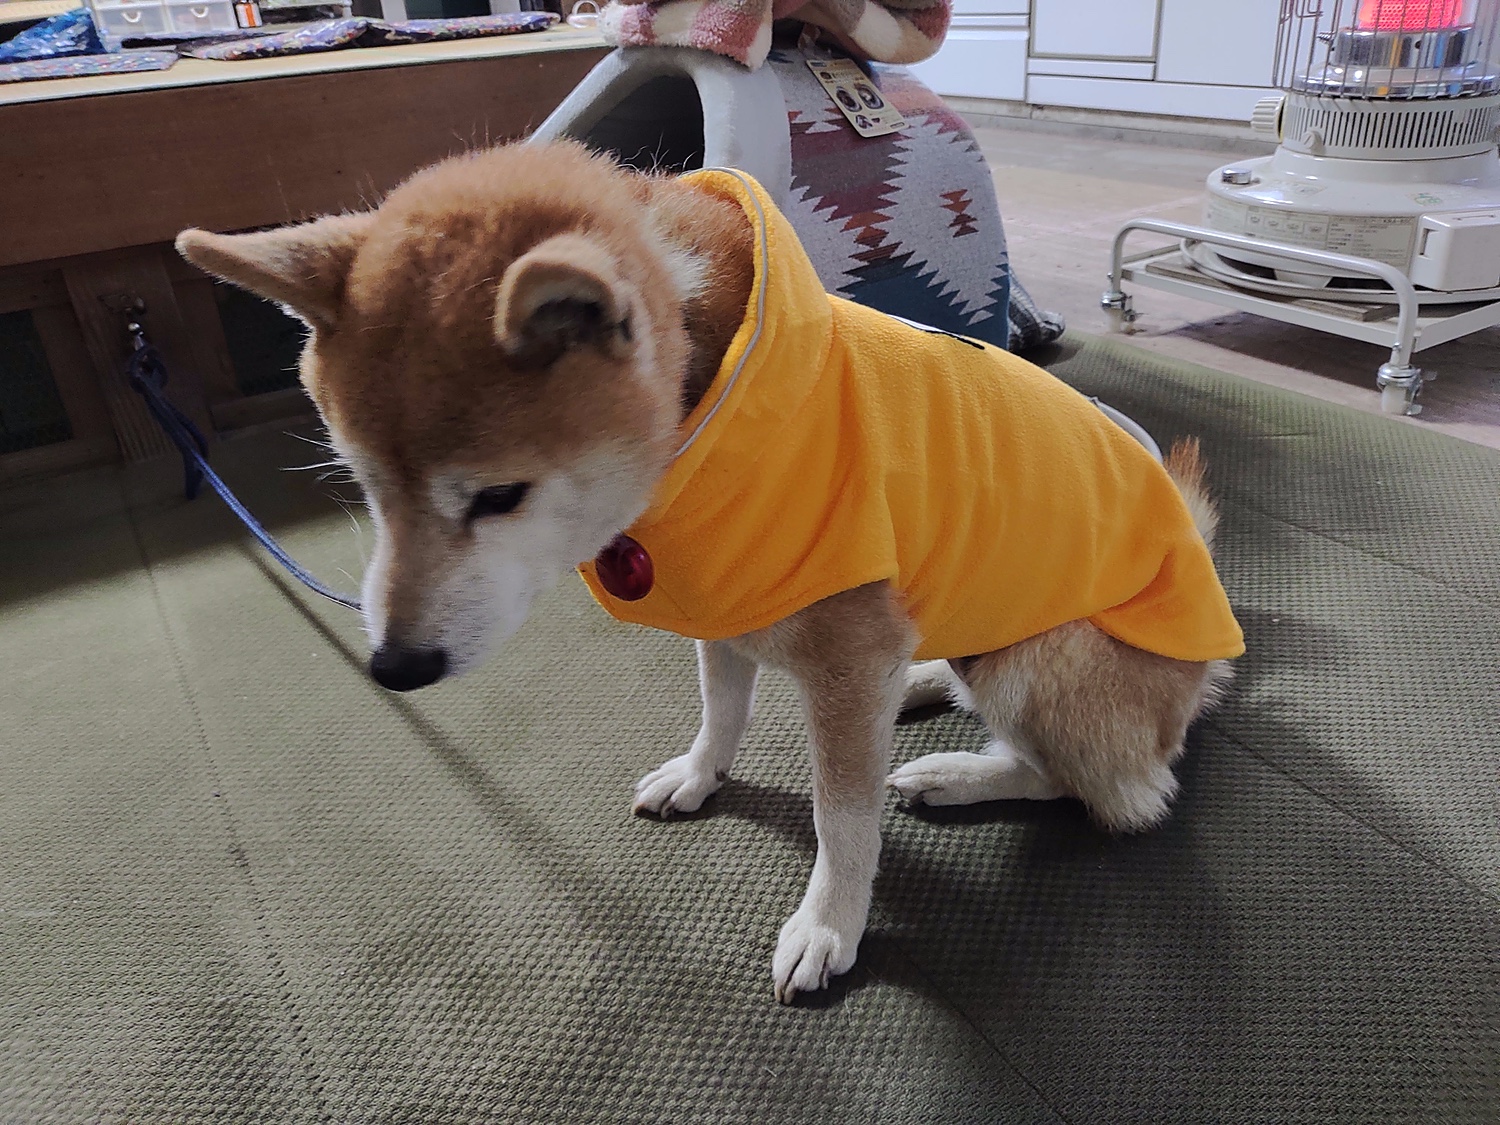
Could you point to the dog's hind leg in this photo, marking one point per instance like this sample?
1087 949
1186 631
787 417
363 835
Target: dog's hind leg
933 682
1091 717
997 774
727 682
1106 720
1007 769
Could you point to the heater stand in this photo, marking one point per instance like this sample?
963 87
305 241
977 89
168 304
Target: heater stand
1411 328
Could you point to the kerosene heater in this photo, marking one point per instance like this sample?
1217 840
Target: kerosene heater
1378 216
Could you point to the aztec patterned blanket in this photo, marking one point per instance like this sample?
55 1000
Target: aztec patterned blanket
891 31
907 223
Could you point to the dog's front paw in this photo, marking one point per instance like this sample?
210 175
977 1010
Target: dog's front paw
678 786
809 952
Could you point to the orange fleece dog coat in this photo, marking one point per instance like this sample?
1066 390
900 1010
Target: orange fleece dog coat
839 446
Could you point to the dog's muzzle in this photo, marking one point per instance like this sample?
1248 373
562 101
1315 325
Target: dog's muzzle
406 669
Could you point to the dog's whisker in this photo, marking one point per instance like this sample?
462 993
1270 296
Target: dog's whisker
314 465
348 509
319 443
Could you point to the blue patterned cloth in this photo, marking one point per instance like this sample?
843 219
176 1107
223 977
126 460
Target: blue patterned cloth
335 35
82 66
63 36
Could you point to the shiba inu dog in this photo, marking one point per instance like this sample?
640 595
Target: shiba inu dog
535 361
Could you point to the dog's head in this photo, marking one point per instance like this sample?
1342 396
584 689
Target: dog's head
498 353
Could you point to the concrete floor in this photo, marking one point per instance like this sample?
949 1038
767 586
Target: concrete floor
1064 196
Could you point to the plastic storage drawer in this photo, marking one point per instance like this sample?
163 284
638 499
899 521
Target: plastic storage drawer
201 15
128 21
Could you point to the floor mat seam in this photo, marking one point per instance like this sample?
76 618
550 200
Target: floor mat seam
1328 538
239 858
984 1038
1425 860
1145 356
1123 352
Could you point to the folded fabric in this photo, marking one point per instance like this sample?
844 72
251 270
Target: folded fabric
335 35
62 36
892 31
81 66
174 40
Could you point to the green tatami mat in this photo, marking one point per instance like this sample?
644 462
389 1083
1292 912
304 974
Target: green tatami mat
239 883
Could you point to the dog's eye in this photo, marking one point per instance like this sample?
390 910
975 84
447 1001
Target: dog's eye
497 500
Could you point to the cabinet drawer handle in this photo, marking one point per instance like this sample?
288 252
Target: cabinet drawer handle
201 13
132 17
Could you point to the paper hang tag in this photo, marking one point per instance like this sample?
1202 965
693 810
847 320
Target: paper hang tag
857 97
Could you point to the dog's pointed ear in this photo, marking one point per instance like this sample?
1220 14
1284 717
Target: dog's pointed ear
563 294
303 267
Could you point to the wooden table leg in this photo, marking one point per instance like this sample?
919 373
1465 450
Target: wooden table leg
100 286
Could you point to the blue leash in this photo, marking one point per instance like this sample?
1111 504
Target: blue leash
148 375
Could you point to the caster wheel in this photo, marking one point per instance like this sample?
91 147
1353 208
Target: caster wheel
1119 314
1397 400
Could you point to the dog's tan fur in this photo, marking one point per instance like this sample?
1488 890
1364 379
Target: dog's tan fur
535 314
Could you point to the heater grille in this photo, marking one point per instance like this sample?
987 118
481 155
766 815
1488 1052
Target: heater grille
1389 49
1419 130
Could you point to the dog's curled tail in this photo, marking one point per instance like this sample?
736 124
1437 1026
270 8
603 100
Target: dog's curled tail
1184 464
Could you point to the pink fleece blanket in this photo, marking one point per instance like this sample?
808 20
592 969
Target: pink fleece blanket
891 31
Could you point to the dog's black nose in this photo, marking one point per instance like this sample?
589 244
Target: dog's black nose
405 669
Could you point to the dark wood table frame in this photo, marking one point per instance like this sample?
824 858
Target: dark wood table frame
95 187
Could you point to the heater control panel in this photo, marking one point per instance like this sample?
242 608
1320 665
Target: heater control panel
1381 238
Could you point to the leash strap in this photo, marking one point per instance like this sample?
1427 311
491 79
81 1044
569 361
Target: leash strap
148 376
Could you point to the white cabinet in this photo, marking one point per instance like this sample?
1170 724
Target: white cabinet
1175 58
979 60
1096 29
1020 8
1217 42
1166 99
